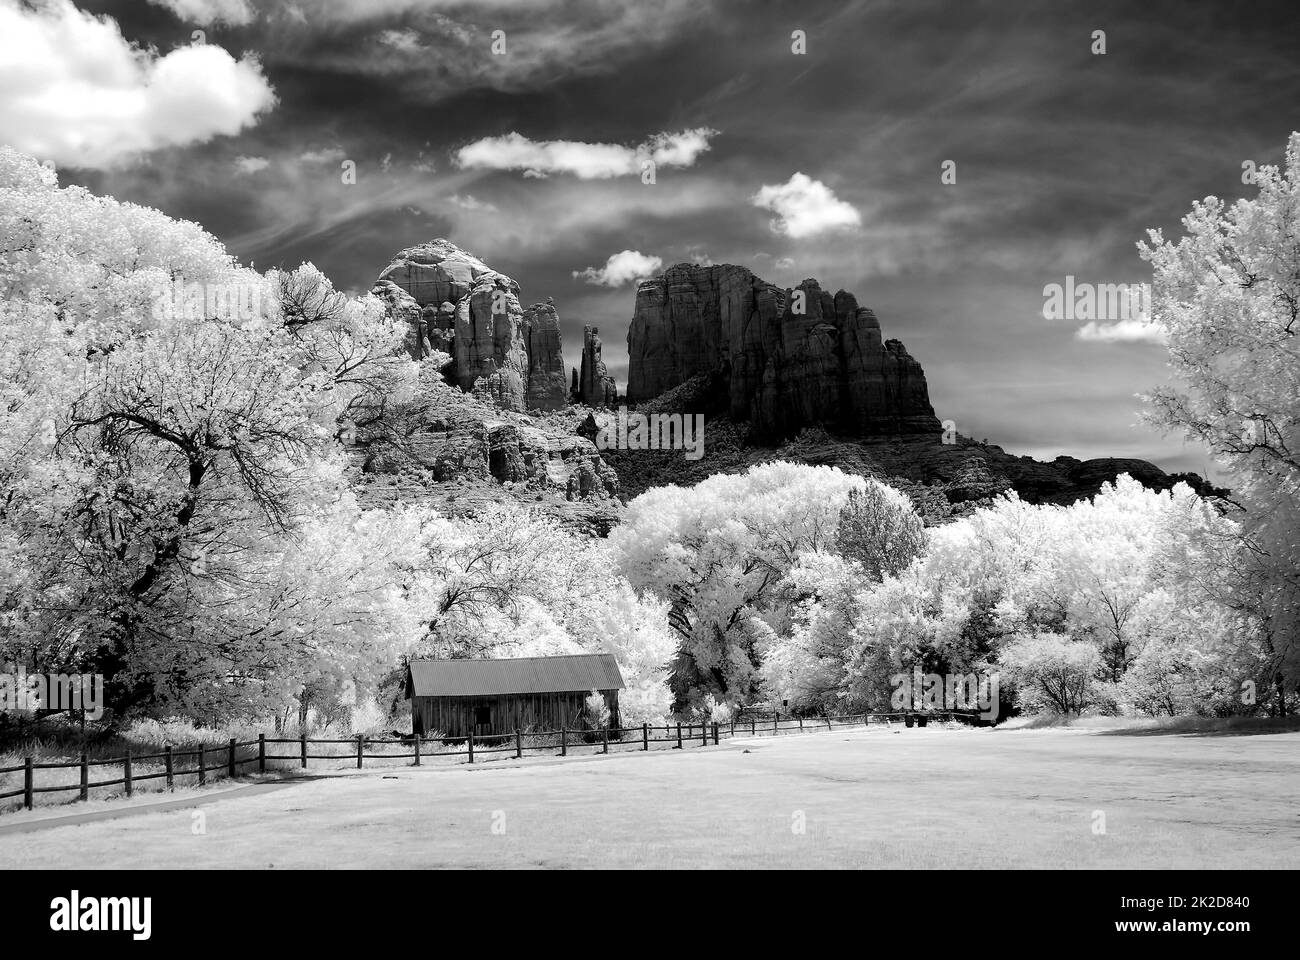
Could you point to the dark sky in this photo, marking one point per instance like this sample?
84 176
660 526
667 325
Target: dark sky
1063 159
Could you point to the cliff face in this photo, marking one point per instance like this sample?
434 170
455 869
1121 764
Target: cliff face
455 303
789 359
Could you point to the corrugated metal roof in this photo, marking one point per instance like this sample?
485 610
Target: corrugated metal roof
476 678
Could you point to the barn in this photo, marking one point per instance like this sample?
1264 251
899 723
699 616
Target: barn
457 697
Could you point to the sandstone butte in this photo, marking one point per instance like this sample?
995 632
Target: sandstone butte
802 374
454 303
788 359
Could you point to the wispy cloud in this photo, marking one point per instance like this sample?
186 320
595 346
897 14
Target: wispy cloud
587 161
207 12
251 165
1122 331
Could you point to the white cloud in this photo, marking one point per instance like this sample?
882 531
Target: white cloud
1122 331
248 165
75 91
205 12
324 155
621 268
587 161
805 207
407 41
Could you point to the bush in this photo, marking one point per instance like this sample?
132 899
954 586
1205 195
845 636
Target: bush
1052 670
597 712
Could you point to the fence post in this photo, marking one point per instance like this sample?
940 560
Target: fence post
470 741
715 734
519 744
801 724
126 768
203 765
828 721
167 759
564 741
261 753
85 777
775 716
604 739
231 769
733 729
303 743
27 782
645 736
361 745
704 733
679 734
417 749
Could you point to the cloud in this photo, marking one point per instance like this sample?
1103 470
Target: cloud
323 155
621 268
805 207
75 91
204 12
586 161
471 203
249 165
440 47
407 41
1122 331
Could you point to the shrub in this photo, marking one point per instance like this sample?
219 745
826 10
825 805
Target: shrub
597 712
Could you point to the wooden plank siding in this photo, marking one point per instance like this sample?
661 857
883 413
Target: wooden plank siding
455 716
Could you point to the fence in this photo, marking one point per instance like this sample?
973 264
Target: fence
232 764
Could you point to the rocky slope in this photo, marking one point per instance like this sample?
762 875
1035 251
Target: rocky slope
460 452
789 359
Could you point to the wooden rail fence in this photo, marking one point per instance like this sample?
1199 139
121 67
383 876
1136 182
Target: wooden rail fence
233 758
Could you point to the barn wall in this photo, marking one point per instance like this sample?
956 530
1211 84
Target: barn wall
454 716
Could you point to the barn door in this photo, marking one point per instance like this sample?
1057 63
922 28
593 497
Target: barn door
483 719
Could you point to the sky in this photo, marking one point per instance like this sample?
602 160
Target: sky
945 162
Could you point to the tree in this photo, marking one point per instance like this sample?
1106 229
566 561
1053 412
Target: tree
168 445
1228 295
511 583
719 552
880 530
1052 668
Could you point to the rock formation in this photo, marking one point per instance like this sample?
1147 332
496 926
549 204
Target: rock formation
789 359
546 386
596 387
456 304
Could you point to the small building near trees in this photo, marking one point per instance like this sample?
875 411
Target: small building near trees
454 698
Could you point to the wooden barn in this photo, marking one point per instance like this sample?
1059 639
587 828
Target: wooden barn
455 697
